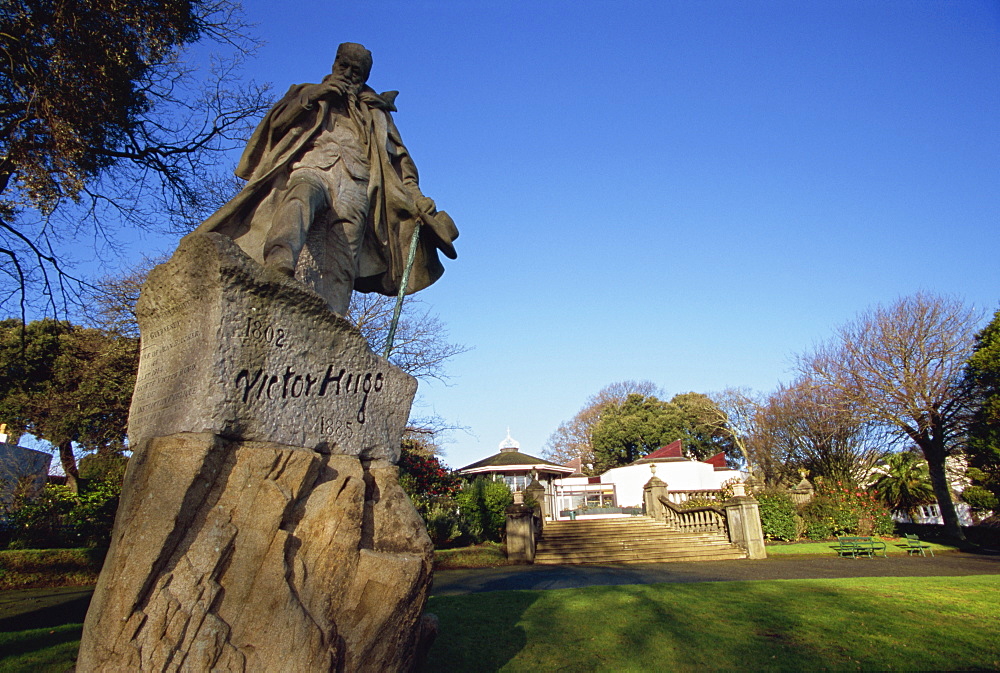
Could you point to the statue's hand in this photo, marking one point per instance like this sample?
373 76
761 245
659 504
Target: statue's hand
426 205
330 86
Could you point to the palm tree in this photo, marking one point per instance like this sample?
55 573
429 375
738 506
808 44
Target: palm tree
905 483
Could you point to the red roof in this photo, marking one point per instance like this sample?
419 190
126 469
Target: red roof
576 464
671 450
718 461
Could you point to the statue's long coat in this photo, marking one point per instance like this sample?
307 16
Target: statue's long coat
281 138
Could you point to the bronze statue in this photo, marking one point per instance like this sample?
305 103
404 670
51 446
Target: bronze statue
332 196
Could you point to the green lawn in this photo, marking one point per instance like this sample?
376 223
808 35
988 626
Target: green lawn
40 628
826 548
869 624
31 568
485 555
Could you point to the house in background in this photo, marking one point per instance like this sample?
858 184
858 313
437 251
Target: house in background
21 468
518 469
622 487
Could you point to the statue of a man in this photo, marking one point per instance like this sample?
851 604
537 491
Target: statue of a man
332 195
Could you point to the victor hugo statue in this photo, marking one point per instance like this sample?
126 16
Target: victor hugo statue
332 196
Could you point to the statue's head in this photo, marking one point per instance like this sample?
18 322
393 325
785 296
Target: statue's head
353 63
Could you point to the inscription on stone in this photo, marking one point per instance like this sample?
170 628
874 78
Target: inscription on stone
283 371
258 331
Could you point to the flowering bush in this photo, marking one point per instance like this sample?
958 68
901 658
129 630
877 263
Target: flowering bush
424 475
842 509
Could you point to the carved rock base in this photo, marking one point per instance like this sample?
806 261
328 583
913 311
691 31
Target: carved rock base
254 556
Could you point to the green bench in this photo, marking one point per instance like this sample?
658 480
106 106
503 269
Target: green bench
913 545
853 546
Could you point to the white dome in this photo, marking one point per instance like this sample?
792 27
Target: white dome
509 443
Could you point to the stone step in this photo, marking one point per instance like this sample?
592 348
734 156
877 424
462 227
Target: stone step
666 545
634 557
629 540
642 535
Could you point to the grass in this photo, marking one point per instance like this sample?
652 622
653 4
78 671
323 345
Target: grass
911 623
30 568
826 548
485 555
40 629
871 623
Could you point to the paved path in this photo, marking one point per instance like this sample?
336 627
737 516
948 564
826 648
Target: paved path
451 582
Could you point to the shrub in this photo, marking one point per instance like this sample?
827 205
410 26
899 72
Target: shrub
483 504
442 519
777 515
59 518
822 519
979 498
700 501
423 474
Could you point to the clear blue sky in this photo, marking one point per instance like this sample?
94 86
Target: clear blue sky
684 192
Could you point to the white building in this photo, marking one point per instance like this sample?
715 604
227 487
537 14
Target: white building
518 469
622 487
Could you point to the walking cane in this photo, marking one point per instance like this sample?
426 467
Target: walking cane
402 289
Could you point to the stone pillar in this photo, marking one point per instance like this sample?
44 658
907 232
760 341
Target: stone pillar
651 493
743 519
535 491
521 532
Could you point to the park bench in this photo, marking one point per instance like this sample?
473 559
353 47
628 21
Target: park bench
913 545
852 546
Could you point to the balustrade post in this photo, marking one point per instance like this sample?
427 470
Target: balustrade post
521 539
651 493
743 517
535 491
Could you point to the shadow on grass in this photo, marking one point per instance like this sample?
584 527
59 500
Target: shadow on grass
38 640
478 632
47 609
867 623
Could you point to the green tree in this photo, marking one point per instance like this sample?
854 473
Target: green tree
67 385
982 380
701 432
640 424
904 483
901 367
628 431
573 439
102 124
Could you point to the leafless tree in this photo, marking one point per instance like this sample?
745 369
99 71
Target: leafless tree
811 425
113 298
901 366
420 346
105 127
736 412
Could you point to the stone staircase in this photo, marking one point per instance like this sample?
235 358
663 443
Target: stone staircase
628 540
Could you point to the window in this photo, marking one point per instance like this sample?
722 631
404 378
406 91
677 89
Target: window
517 482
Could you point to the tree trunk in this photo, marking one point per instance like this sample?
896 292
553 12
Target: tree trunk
935 455
68 461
